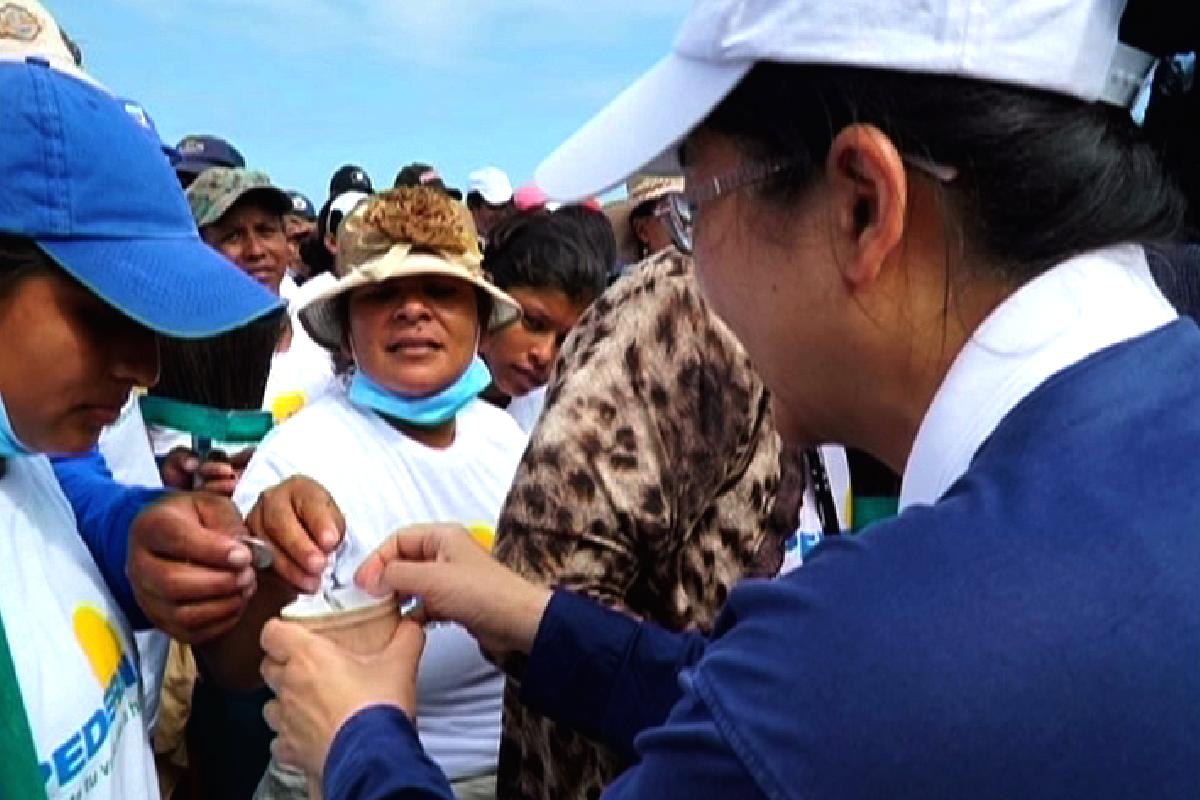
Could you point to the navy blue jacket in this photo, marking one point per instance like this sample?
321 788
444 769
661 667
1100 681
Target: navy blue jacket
1035 634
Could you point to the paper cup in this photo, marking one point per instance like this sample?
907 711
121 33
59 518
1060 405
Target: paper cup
364 631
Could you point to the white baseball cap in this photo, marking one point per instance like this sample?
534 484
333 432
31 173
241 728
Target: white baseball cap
492 184
27 30
1064 46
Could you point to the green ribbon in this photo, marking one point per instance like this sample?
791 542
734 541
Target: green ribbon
20 773
204 422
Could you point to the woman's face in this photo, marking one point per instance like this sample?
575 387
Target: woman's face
414 335
69 362
522 355
770 275
840 295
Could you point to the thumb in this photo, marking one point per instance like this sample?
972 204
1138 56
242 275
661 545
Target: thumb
413 578
280 639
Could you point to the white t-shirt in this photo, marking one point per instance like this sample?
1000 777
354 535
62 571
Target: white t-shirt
71 646
382 480
299 376
528 409
125 446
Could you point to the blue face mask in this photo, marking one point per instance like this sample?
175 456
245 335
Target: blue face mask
426 412
10 445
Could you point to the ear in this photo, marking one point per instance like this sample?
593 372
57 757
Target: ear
331 244
870 192
639 230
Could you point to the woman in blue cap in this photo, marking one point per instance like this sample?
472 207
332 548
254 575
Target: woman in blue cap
925 221
98 257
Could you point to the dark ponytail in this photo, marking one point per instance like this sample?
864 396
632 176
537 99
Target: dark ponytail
1041 177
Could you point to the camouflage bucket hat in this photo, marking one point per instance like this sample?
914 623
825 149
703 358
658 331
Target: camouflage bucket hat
216 190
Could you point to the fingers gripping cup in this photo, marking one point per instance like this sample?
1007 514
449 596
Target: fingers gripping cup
356 622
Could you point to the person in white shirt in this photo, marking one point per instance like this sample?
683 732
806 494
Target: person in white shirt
98 257
547 264
241 215
407 439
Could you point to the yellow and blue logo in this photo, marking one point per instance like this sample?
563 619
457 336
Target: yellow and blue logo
117 675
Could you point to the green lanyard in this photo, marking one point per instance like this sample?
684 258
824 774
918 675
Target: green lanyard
20 778
213 424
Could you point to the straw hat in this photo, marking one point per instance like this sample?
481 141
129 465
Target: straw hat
639 189
403 232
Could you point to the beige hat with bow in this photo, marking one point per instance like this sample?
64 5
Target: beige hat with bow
639 189
400 233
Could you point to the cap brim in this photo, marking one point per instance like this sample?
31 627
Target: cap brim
192 167
176 286
637 129
275 199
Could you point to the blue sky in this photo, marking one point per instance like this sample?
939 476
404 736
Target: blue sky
303 86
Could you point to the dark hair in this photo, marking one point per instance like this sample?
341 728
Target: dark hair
73 47
476 200
596 231
20 257
313 251
644 210
1041 177
545 251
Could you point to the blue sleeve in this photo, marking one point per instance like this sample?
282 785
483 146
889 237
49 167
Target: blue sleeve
104 512
688 757
376 755
604 674
594 669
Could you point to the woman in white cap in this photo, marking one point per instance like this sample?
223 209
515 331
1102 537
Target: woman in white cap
408 440
925 221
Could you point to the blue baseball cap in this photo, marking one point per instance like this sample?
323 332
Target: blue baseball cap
81 179
139 114
198 153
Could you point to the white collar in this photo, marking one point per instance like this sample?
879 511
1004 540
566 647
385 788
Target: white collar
1075 309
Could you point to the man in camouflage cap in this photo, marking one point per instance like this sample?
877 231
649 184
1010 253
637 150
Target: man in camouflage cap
240 214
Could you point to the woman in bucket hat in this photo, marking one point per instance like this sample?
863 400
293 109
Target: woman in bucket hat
926 223
408 440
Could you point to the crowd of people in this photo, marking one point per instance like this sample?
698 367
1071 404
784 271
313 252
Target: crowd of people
854 452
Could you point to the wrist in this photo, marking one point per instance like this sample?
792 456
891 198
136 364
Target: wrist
531 607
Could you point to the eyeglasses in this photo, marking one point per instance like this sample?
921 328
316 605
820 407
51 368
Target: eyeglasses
678 208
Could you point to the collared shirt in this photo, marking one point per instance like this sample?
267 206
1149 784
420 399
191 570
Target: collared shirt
1077 308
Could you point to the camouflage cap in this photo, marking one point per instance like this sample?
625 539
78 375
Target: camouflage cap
215 191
